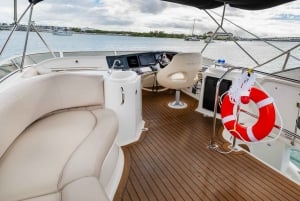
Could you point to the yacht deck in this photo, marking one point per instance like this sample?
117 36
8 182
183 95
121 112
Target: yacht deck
172 162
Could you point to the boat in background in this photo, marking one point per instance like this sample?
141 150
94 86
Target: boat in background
62 32
208 40
192 37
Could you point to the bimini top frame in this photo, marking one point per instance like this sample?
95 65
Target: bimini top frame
242 4
212 144
30 26
248 5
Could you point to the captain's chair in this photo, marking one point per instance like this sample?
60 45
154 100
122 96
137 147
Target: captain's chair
180 73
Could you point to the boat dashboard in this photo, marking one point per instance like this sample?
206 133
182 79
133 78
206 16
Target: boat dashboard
140 62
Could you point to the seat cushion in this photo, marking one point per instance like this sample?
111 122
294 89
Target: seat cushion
28 99
181 72
35 163
50 197
92 191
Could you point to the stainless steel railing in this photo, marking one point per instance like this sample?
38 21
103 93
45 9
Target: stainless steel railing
212 144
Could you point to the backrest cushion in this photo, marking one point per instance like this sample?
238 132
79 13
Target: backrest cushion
31 98
181 72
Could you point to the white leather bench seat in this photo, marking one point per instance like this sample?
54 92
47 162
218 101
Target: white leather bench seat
73 192
61 153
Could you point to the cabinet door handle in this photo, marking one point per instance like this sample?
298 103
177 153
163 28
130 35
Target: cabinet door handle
123 96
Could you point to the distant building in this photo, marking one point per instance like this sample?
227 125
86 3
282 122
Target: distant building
5 26
87 29
224 36
220 35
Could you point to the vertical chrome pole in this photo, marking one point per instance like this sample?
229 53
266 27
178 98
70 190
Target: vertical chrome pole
14 29
233 143
296 125
245 51
15 11
223 15
286 60
237 119
255 36
219 26
27 35
212 144
177 97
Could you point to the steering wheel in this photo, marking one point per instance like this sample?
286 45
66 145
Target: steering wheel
163 60
149 83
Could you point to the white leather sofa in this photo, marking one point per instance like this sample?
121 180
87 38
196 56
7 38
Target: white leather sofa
57 140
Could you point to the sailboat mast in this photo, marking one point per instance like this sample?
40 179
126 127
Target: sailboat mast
193 27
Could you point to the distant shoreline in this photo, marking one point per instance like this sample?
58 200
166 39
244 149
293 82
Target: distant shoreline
160 34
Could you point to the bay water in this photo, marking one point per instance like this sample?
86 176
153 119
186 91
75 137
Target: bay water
227 50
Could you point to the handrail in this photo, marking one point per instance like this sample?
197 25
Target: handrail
286 60
212 144
274 58
220 26
14 29
27 36
40 36
15 11
29 26
287 132
217 29
252 34
13 62
8 75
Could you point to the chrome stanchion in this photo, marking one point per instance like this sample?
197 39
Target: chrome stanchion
38 33
30 25
14 28
212 144
27 35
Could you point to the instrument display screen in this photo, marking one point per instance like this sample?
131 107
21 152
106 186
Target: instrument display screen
147 59
133 61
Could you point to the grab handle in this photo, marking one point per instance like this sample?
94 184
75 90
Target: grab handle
123 96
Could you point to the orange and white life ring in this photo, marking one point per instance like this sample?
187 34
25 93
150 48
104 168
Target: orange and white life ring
261 128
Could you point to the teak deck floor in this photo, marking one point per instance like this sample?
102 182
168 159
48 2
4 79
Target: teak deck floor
172 161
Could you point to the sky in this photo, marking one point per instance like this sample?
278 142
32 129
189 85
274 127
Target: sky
155 15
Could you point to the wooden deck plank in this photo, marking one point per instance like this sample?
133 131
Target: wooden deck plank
172 162
148 184
218 173
251 174
139 187
125 196
192 169
154 175
131 190
186 187
170 182
203 171
257 171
